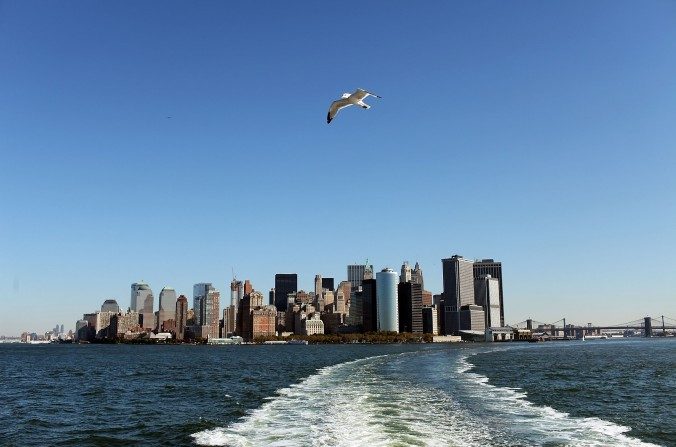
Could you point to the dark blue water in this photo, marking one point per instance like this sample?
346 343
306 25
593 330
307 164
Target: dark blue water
611 392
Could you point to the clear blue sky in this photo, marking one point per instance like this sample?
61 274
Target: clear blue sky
541 134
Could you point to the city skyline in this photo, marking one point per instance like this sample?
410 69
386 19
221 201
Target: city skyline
174 143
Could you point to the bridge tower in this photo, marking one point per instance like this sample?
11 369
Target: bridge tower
648 327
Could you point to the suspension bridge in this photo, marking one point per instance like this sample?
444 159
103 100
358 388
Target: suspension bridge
648 326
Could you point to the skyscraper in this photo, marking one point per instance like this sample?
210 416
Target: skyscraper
142 301
386 297
199 294
410 307
327 283
236 292
487 295
493 268
369 306
167 306
248 287
285 283
406 272
417 276
212 313
458 278
355 274
110 306
181 316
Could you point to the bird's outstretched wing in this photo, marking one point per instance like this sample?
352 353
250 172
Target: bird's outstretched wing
360 94
335 107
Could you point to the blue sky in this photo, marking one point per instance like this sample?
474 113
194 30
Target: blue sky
541 134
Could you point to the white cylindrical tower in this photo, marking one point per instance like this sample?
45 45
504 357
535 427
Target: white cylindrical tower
387 300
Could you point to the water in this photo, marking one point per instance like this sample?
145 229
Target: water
614 392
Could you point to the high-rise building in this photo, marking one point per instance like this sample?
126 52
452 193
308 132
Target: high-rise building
285 283
110 306
199 294
417 276
248 287
410 307
264 321
458 276
212 313
355 315
430 320
181 316
369 305
472 318
167 309
271 297
406 272
327 283
386 297
493 268
355 274
487 295
142 301
236 292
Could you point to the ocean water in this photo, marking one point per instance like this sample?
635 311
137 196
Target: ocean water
608 392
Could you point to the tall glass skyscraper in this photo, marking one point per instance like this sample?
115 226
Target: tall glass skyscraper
458 291
142 301
199 294
285 283
387 300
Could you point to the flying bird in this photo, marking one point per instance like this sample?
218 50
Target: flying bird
348 99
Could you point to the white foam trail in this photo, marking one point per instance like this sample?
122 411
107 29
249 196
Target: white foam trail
374 402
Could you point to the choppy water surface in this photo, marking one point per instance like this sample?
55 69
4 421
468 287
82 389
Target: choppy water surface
613 392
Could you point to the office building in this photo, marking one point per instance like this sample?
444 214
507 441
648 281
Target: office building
142 301
417 276
212 313
458 282
167 309
264 322
410 307
248 287
285 283
327 283
430 320
386 297
355 274
493 268
472 318
405 272
271 297
313 325
199 294
181 316
110 306
369 306
487 295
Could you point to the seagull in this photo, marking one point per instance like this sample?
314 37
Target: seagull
348 99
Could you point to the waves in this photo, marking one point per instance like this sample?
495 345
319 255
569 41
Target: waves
428 398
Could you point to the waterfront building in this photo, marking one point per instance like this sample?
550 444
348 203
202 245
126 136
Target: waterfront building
212 310
264 321
332 321
410 307
487 295
103 324
472 318
458 281
110 306
369 306
313 325
81 330
120 323
493 268
430 320
181 316
386 297
167 309
229 321
285 283
405 272
199 294
355 316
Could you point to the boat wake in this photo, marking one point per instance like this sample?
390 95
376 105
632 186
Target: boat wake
422 399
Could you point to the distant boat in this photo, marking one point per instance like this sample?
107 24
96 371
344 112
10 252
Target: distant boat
297 342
